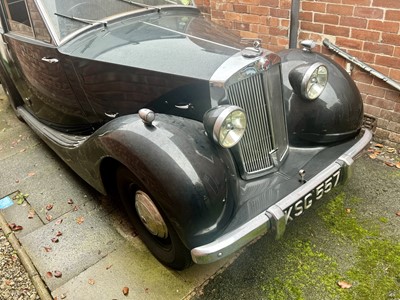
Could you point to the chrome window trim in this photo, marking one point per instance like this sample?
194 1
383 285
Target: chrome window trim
60 42
46 21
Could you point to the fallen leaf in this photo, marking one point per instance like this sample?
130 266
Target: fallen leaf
59 233
15 227
70 201
18 228
20 198
378 145
63 296
31 214
49 206
344 284
91 281
391 150
49 217
109 267
47 249
49 275
398 213
75 208
389 164
80 220
348 210
59 221
30 174
125 291
57 274
398 165
55 240
372 156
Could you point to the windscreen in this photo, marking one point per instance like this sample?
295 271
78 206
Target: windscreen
67 16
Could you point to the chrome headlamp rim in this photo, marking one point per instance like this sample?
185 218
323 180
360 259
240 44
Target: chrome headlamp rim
214 121
308 76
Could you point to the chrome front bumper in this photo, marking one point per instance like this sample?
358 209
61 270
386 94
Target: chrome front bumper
274 218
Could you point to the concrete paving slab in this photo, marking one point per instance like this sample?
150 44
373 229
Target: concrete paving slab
126 267
86 238
17 171
131 266
47 181
18 214
16 140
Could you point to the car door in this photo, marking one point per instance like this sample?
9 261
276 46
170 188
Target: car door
40 76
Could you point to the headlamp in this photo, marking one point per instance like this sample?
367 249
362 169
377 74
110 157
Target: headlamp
309 81
225 124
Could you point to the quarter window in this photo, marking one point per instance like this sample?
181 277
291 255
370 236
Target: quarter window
18 17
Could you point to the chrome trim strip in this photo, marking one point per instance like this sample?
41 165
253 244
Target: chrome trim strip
274 217
46 19
228 72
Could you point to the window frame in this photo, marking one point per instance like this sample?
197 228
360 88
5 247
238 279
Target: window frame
10 20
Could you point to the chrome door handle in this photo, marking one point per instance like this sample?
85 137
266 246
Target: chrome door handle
50 60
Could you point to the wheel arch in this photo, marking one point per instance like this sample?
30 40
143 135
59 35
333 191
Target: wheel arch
181 167
108 167
336 115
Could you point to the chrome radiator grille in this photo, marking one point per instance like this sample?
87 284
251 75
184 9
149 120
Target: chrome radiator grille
257 142
265 142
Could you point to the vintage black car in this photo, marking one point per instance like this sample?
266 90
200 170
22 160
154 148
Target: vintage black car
207 142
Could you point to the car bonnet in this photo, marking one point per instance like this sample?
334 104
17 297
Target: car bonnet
171 42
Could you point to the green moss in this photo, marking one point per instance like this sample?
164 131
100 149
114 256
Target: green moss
375 273
308 272
341 219
383 220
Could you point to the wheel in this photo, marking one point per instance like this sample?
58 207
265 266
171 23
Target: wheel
11 92
150 222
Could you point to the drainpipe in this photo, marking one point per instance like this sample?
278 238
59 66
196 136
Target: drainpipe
294 23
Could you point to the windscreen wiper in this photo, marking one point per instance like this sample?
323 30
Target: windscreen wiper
82 20
142 5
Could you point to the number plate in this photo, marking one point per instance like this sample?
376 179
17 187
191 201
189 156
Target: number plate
298 208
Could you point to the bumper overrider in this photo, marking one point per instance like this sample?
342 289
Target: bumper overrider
276 217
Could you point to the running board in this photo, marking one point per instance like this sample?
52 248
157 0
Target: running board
57 137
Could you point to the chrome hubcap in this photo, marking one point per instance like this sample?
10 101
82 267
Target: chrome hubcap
149 215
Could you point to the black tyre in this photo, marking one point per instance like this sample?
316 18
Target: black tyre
11 92
150 222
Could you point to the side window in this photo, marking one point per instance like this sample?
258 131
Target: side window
24 18
18 17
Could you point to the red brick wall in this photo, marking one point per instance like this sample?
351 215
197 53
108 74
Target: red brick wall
367 29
